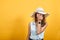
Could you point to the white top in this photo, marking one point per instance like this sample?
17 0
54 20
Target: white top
33 32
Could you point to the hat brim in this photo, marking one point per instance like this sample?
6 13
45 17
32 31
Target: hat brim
46 14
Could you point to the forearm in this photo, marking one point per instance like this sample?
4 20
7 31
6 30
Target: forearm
27 38
44 27
38 30
41 29
29 33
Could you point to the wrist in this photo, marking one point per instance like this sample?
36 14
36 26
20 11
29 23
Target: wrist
39 22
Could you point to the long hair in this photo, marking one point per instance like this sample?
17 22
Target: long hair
42 21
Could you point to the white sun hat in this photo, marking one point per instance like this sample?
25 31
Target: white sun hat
41 11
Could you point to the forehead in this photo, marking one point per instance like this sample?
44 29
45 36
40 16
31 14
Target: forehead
36 13
39 14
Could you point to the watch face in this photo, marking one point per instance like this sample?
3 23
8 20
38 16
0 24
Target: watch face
39 22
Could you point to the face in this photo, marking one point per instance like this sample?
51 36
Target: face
39 16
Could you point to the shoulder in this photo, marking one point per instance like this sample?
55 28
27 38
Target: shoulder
31 23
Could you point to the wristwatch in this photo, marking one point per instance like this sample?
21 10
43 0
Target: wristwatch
39 22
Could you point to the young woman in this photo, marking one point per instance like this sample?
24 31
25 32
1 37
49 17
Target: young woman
38 25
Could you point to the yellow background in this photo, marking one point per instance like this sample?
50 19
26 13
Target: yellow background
15 16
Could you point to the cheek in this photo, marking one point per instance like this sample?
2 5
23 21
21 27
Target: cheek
37 16
41 17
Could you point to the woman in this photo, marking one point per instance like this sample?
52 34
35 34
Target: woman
37 27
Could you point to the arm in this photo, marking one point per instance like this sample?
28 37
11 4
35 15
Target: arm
41 29
38 29
28 35
44 27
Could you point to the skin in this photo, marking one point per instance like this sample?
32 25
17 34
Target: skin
38 26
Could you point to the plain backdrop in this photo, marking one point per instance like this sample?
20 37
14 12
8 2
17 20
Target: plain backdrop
15 16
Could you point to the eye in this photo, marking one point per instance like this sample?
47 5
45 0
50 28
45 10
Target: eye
40 14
